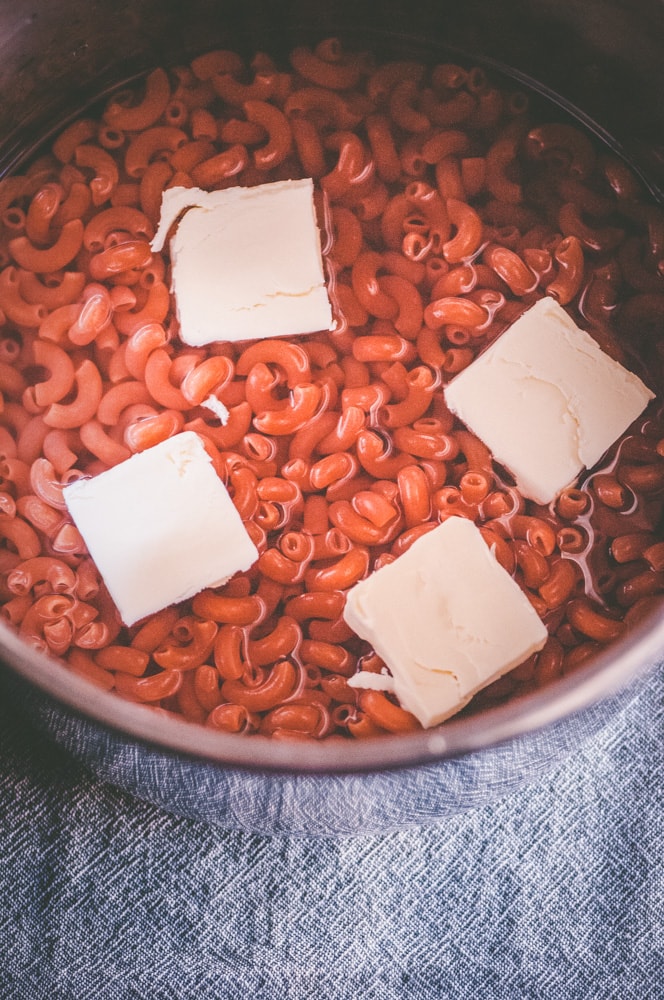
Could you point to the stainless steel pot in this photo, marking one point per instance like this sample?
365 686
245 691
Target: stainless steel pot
600 57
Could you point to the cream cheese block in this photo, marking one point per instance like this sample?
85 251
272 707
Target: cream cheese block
246 262
546 400
446 618
160 527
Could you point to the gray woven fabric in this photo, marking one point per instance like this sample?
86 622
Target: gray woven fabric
553 892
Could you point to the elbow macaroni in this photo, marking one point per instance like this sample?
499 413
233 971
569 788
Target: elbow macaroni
447 210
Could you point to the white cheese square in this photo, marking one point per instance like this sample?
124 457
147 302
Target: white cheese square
160 527
246 262
446 618
546 400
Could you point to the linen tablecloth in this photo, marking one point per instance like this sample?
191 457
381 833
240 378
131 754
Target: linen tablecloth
555 891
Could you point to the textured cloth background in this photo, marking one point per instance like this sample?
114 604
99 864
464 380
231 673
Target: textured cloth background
555 892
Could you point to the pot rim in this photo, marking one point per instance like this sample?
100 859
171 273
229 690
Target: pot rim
603 676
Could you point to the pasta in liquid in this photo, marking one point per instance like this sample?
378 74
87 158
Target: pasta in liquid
447 207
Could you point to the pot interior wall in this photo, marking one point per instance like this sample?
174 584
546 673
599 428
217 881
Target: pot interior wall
603 57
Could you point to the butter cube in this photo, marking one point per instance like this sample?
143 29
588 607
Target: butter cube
160 527
546 400
246 262
446 618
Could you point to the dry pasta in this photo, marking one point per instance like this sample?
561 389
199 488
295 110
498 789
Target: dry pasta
448 205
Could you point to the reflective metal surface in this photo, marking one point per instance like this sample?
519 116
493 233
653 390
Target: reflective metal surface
602 57
589 685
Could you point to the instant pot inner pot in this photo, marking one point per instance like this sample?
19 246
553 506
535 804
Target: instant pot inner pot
601 58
